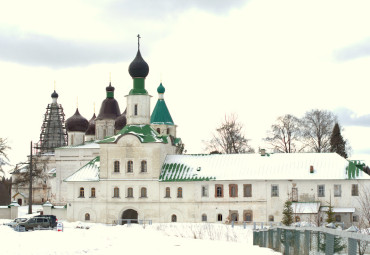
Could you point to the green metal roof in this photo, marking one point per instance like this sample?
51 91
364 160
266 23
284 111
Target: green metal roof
160 114
145 133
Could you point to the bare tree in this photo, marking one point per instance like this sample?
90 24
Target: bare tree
22 174
317 126
229 137
3 155
284 134
364 215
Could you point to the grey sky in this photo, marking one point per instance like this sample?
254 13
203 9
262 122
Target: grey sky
348 117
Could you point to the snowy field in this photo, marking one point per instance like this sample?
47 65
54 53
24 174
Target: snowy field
175 238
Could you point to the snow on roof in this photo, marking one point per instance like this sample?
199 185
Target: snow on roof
89 172
52 171
280 166
339 209
302 207
86 145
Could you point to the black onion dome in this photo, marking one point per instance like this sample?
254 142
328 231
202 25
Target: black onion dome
138 67
110 87
109 109
77 123
121 121
54 95
91 129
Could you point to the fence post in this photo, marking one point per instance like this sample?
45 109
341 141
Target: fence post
297 239
286 242
329 244
307 241
270 238
278 240
254 225
264 238
232 224
352 246
244 224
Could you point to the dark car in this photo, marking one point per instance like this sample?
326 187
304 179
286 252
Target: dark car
52 218
32 223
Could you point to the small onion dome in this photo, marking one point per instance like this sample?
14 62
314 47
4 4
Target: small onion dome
77 123
109 88
54 95
161 89
138 67
121 121
91 129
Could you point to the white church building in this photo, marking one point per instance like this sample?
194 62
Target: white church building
130 166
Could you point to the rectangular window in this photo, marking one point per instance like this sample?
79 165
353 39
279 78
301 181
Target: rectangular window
354 189
135 110
233 190
219 190
247 190
130 192
321 190
274 190
355 218
204 191
168 192
337 190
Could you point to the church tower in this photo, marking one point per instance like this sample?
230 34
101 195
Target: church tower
138 100
161 119
53 133
109 111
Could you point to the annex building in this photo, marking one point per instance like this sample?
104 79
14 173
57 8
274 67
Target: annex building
130 165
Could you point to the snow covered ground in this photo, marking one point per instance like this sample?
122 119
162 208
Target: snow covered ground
175 238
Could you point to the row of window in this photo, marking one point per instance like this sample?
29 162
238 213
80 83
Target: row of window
233 191
130 166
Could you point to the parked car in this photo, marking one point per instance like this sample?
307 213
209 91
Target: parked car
14 222
35 222
52 218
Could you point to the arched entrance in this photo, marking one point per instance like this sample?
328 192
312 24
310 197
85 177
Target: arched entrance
131 215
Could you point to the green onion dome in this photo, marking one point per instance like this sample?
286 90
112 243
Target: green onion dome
161 89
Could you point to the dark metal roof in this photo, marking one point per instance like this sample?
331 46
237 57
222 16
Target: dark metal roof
110 87
91 129
138 67
121 121
77 123
109 109
54 95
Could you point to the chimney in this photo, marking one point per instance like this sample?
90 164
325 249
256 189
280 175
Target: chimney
311 169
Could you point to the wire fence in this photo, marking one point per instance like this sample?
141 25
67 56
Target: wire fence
309 240
131 221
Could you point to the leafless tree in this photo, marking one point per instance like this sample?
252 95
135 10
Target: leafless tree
364 215
21 172
3 155
284 134
317 126
229 137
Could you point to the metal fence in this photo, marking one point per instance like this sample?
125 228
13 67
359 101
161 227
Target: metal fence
131 221
309 240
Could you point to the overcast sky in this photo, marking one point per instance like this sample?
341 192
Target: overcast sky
259 59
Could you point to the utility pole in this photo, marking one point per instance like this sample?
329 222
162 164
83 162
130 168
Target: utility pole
30 186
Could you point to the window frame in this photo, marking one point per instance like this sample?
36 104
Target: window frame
115 192
233 190
337 189
245 189
354 190
321 190
81 192
204 217
204 191
141 192
221 188
87 217
130 192
93 192
130 166
143 166
167 192
219 217
116 166
274 192
179 192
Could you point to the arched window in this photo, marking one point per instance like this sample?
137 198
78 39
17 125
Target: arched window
168 130
179 192
158 130
143 192
130 192
234 217
87 216
168 192
82 192
135 110
173 218
130 165
248 216
204 217
116 192
143 166
116 166
92 192
297 219
271 218
219 217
